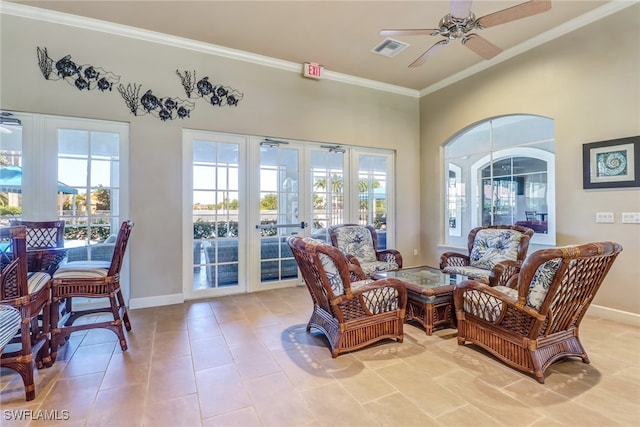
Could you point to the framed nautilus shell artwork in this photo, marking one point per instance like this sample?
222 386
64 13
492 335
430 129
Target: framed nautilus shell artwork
611 164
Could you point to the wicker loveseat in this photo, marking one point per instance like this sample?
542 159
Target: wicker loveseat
227 260
535 320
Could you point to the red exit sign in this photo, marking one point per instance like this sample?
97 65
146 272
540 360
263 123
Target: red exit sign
313 71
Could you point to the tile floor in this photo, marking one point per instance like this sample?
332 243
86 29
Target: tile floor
247 361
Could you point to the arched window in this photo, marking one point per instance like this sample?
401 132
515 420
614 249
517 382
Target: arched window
501 171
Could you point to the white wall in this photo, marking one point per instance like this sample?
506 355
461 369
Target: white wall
588 81
276 103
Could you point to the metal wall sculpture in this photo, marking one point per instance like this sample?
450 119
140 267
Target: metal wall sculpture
81 76
162 108
216 94
165 108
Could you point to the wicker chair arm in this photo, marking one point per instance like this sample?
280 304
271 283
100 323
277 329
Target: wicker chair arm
503 271
390 254
453 259
355 269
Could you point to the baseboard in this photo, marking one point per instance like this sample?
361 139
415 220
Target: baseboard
613 314
157 301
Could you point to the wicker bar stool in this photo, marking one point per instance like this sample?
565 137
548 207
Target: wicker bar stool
90 279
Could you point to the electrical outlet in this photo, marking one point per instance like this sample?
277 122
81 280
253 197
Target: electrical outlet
415 252
630 217
605 217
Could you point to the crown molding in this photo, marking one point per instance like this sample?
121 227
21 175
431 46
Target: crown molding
61 18
567 27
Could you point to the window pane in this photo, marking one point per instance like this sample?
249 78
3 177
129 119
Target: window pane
10 172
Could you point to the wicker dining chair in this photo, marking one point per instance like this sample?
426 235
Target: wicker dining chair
43 235
90 279
360 244
535 321
487 246
351 314
29 293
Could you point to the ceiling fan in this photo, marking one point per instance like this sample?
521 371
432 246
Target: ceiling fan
460 23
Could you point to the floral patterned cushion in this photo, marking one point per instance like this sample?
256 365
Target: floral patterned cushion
371 267
494 245
329 267
356 240
474 273
541 282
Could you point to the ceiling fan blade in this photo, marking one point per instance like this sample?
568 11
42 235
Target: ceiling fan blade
481 46
522 10
460 8
429 53
410 32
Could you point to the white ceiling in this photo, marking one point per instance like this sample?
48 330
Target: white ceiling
341 34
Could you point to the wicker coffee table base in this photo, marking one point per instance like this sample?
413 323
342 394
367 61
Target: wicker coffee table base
432 313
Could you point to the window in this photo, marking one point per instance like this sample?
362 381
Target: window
71 169
501 171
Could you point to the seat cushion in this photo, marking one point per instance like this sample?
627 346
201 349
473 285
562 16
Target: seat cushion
82 270
37 281
492 245
357 241
371 267
474 273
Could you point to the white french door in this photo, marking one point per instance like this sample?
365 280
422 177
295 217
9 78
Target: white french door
245 196
214 202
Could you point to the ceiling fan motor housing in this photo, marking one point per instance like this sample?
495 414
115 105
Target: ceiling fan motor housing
455 28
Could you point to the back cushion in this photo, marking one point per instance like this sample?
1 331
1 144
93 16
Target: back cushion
357 241
541 282
329 267
492 245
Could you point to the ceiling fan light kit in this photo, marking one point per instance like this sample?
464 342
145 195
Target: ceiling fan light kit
460 22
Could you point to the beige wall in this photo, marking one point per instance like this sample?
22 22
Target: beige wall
276 103
588 81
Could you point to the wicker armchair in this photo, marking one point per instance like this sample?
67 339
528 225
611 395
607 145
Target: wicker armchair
360 244
536 322
350 314
90 279
29 293
488 245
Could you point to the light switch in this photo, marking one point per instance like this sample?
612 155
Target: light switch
631 217
605 217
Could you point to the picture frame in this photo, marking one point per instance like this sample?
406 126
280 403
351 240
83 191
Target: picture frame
611 164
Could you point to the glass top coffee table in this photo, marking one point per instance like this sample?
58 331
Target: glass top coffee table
430 295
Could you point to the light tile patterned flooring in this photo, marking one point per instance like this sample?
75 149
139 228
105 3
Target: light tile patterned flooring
247 361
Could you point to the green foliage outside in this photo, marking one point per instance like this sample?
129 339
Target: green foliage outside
11 210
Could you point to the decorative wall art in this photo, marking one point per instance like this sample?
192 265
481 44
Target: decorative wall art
611 164
215 94
162 108
81 76
165 108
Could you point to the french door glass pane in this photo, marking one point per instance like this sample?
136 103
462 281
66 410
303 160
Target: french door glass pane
88 166
373 194
10 172
327 187
215 214
279 203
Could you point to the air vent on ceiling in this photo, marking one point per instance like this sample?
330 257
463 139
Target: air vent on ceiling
390 47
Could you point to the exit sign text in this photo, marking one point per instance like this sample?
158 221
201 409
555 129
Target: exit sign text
313 71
